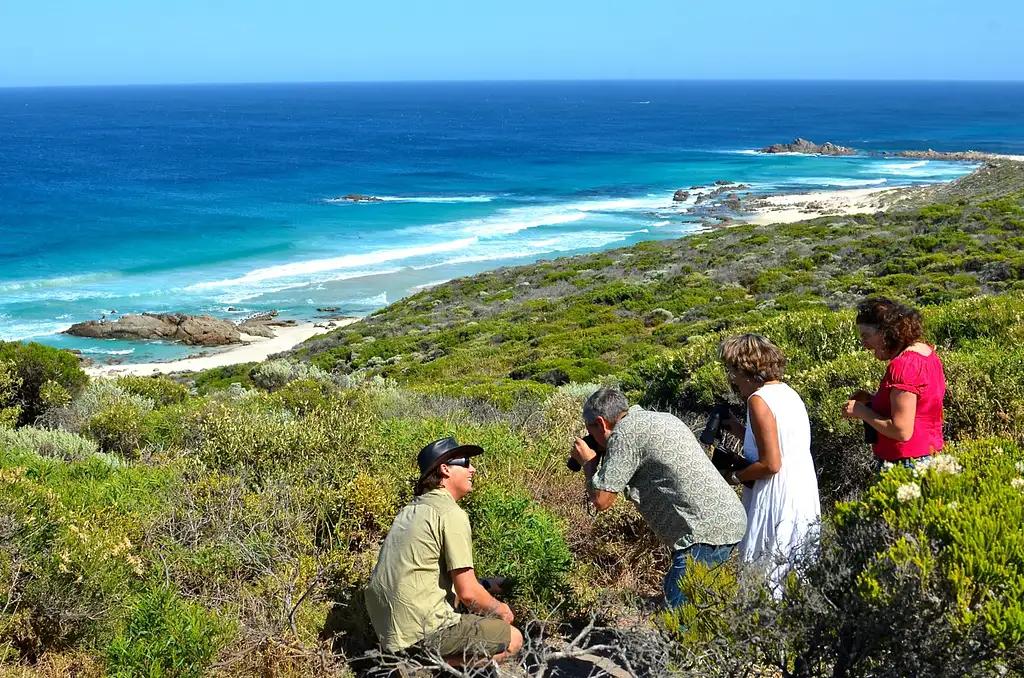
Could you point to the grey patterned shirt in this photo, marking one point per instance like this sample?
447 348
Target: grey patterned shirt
655 460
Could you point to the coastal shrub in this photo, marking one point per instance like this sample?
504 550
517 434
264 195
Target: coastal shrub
35 365
161 390
985 391
922 576
503 394
302 396
99 395
515 537
71 534
121 427
48 443
999 319
219 378
276 374
256 438
166 636
10 383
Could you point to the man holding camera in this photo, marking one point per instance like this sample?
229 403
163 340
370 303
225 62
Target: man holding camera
654 459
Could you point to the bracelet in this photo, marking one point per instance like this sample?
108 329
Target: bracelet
734 479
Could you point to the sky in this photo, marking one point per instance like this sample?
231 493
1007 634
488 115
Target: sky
108 42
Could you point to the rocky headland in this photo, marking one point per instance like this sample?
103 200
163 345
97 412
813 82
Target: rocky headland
806 147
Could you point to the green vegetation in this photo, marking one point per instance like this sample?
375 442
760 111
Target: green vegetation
226 523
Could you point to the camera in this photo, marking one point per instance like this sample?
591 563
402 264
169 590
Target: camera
716 415
574 465
724 461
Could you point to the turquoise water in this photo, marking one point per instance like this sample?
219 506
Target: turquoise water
222 199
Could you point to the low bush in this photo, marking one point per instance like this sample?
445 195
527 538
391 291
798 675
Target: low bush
71 554
46 443
276 374
161 390
10 384
515 537
923 576
166 636
36 365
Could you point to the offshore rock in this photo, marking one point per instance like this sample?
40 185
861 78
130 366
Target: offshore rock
809 147
680 196
358 197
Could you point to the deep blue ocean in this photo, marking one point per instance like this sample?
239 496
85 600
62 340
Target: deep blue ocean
205 199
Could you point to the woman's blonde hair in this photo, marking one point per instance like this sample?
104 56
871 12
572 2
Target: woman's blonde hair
754 355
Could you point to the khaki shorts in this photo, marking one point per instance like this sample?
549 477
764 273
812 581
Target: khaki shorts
472 636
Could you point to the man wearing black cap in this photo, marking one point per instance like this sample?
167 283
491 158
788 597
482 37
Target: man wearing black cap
427 561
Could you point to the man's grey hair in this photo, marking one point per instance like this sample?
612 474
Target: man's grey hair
607 403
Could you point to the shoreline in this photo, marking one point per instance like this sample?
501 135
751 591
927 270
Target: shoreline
256 349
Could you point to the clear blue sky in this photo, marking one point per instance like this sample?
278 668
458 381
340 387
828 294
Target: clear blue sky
81 42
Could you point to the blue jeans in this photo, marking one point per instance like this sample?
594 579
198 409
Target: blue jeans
712 556
909 462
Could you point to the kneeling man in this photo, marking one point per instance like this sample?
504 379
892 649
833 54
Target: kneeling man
427 561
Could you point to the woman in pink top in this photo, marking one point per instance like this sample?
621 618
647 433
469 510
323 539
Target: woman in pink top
906 412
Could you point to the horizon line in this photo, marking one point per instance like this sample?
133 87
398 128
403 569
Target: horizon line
469 81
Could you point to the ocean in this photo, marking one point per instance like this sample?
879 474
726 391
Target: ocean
224 199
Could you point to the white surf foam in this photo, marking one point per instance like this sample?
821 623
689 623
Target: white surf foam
308 269
248 293
512 221
100 351
443 199
839 181
30 330
534 248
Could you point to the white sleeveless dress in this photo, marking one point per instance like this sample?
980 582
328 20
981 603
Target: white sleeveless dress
783 511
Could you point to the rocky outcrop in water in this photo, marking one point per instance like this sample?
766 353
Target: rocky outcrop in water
680 196
809 147
358 197
194 330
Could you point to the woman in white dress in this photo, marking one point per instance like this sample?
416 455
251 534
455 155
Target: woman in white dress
783 508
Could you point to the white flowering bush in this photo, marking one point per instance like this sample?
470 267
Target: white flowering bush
908 492
957 522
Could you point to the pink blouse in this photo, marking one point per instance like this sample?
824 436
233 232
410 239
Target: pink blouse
922 375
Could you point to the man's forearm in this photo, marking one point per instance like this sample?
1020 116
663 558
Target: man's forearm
477 599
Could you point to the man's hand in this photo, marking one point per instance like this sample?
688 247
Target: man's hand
503 612
582 452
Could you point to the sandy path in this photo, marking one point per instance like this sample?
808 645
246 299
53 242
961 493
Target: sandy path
257 350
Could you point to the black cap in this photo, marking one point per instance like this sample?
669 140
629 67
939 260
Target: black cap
440 451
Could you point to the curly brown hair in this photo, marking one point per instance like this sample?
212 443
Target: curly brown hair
753 355
900 325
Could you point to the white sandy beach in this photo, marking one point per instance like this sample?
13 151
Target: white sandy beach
789 208
257 349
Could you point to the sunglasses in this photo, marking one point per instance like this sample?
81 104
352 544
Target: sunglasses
459 461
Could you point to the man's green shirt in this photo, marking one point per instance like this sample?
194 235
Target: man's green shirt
410 593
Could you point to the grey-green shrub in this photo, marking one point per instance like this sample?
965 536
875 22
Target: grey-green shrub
48 443
275 374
